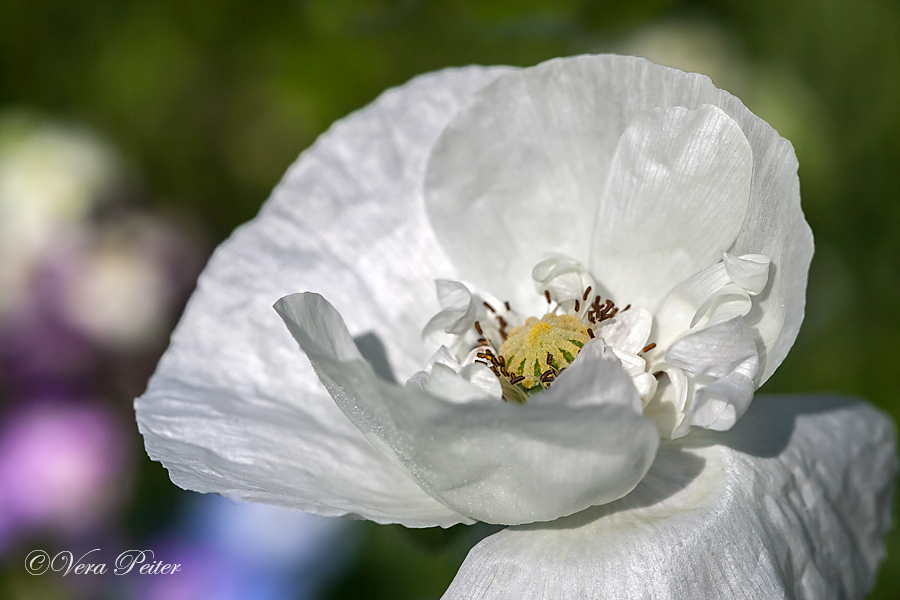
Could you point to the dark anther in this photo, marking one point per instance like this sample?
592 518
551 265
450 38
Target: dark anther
649 347
590 333
478 328
587 293
489 307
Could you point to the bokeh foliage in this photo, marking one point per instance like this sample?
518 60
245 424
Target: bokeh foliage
211 100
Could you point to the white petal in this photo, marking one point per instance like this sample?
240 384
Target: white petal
706 298
727 354
482 377
460 385
523 164
715 351
750 271
233 407
720 404
632 363
582 442
668 408
775 227
447 384
794 502
459 309
565 279
266 450
646 385
628 330
674 200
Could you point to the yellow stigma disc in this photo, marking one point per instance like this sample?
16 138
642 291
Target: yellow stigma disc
527 348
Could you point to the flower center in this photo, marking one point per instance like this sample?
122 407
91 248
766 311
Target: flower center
538 351
529 357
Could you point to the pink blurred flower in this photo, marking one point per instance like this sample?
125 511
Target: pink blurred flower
61 467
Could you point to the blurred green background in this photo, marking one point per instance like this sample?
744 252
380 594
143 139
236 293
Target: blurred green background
208 102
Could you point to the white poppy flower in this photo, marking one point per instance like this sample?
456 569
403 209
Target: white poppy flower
572 190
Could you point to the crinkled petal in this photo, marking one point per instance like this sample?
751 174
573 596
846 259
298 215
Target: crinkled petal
770 509
668 408
674 201
459 309
520 169
231 409
726 354
751 271
582 442
720 404
528 159
711 296
715 351
776 228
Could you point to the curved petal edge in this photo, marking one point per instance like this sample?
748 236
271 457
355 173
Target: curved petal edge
793 502
234 407
583 442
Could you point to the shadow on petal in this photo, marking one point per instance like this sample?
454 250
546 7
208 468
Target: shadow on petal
372 349
672 471
768 425
764 432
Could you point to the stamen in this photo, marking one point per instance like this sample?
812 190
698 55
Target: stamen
503 324
534 355
649 347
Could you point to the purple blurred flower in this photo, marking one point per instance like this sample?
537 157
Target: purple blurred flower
61 467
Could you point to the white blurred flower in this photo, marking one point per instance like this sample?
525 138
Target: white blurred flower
51 177
120 282
779 97
646 184
691 45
